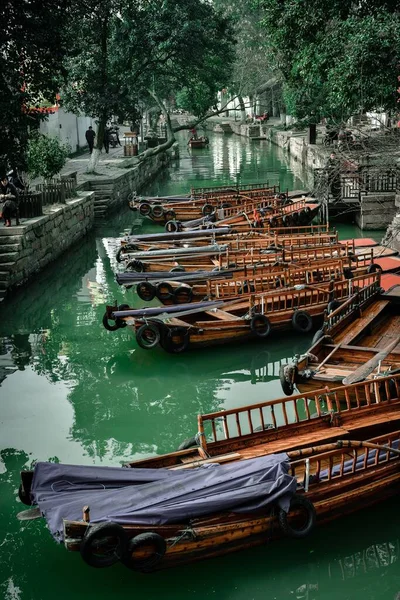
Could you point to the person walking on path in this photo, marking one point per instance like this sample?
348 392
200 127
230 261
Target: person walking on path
107 139
90 135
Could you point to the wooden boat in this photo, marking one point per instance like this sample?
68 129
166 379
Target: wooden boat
201 142
246 281
354 336
300 212
220 206
339 460
251 318
305 237
251 258
251 189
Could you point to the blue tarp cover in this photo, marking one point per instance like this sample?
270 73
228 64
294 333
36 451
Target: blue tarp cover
159 496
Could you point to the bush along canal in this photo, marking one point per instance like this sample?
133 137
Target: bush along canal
74 393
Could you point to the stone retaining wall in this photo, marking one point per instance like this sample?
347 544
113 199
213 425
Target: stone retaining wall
43 239
112 191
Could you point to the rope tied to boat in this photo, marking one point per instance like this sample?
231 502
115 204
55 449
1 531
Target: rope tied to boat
189 531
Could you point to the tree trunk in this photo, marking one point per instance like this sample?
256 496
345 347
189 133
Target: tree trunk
242 109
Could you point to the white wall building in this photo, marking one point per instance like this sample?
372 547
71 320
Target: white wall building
67 127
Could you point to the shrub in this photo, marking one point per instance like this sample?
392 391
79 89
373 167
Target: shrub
46 156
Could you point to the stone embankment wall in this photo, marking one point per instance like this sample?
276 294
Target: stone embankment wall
392 237
28 248
113 191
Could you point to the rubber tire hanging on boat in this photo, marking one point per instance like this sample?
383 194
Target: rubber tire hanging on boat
374 268
157 211
151 328
273 222
108 326
168 343
302 321
95 533
170 215
188 443
178 269
171 226
164 290
318 335
118 254
144 539
145 209
136 265
183 294
207 209
301 502
348 273
146 291
287 377
265 323
287 220
23 496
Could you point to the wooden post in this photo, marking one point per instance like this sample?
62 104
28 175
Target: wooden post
86 514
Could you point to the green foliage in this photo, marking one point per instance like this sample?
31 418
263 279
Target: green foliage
46 156
337 58
31 51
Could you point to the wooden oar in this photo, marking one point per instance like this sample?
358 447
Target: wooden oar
364 370
328 357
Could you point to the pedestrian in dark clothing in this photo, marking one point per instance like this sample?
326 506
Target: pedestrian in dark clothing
9 197
90 135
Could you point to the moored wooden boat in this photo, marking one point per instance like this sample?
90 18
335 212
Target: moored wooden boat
346 458
200 142
353 337
251 318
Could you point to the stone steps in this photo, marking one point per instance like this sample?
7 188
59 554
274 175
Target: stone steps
8 248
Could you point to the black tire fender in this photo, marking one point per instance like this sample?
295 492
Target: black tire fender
144 209
23 496
92 540
170 215
298 502
139 541
260 325
108 325
164 290
374 268
146 290
170 345
171 226
273 222
207 209
148 335
178 269
157 211
183 294
120 251
302 321
287 376
135 265
188 443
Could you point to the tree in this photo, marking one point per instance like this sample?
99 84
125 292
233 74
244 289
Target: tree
126 50
31 52
337 58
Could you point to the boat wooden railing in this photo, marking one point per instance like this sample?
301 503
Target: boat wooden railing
341 462
279 279
203 192
338 406
357 300
302 229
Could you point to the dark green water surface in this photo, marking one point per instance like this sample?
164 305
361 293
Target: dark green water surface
73 392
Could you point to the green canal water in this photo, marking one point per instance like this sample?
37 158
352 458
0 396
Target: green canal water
70 391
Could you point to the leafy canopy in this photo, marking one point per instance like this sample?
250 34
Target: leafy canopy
337 58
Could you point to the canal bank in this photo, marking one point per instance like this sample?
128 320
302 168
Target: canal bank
72 392
28 248
370 192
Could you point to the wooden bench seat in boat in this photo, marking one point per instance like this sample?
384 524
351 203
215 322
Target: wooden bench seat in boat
222 314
